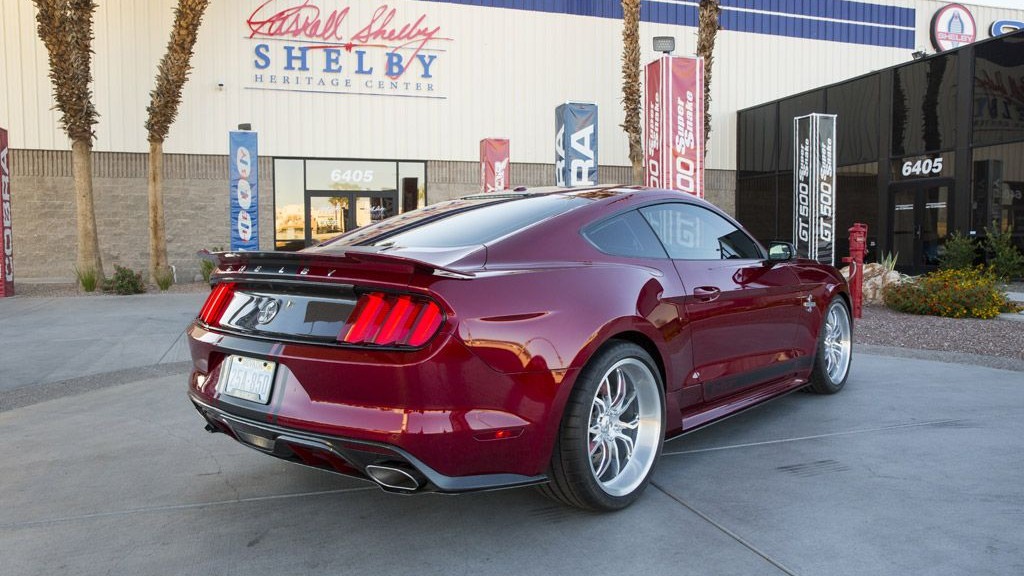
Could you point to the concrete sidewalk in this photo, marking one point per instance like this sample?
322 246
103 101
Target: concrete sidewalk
47 340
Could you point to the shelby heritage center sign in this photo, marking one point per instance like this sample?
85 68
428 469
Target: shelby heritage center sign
356 48
6 248
814 191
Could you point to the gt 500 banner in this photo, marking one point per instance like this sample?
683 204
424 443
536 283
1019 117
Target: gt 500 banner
244 177
494 159
576 144
814 200
674 125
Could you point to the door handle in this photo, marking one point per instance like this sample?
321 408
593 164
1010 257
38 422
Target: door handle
706 293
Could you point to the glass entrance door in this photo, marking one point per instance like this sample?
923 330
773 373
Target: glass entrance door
329 214
919 216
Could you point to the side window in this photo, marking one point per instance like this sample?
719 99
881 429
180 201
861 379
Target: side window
625 235
693 233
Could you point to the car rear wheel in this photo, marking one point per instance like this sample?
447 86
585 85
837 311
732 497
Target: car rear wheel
835 350
612 431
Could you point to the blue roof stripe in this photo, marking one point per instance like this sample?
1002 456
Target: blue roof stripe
876 29
837 9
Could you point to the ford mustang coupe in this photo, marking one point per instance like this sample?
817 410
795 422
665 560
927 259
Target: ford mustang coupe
553 337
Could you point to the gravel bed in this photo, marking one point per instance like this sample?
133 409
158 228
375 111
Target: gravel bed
881 326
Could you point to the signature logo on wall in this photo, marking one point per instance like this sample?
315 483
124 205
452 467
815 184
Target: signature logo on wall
362 48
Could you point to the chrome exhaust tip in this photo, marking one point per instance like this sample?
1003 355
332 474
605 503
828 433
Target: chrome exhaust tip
394 477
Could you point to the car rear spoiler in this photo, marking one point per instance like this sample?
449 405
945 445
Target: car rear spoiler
320 265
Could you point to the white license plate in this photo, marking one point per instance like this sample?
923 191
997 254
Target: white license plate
248 378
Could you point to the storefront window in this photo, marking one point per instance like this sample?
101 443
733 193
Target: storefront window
924 106
317 199
758 141
997 191
998 114
756 200
857 201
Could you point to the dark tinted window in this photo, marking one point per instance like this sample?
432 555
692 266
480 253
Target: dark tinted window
856 106
756 200
789 109
693 233
625 235
924 106
998 103
757 140
484 224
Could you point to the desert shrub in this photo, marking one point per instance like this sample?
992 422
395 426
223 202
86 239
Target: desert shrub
951 292
1006 260
88 279
206 267
960 252
125 281
164 278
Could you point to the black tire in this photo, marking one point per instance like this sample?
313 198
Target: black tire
829 375
573 479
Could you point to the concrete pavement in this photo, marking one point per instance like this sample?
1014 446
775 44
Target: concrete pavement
915 468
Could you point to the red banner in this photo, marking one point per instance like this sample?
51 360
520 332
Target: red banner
6 250
674 125
494 164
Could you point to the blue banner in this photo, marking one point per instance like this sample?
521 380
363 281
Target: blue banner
576 144
243 173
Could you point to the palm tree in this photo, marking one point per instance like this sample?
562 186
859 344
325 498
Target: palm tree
707 31
65 27
631 86
171 75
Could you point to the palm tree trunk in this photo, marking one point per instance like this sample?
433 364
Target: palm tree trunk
707 30
631 87
157 235
88 258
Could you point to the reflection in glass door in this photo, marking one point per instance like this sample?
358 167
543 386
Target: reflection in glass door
920 223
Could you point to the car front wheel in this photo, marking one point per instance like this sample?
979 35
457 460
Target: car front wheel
835 350
611 433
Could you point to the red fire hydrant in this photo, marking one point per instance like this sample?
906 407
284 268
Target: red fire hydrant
858 246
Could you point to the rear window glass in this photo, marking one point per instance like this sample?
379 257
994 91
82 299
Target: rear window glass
625 235
408 219
482 225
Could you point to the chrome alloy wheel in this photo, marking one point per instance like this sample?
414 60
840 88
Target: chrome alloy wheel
624 430
837 343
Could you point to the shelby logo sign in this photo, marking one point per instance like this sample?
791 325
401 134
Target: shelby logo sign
674 131
365 48
814 205
576 144
953 26
6 248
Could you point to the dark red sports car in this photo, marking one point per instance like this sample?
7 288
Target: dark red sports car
545 337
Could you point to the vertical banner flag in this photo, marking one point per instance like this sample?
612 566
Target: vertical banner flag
814 205
674 124
576 144
244 178
6 234
494 160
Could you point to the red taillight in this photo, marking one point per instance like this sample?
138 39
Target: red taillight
213 309
390 319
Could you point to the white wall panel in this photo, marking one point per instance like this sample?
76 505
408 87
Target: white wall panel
505 70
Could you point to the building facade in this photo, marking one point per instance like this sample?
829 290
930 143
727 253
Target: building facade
924 149
364 107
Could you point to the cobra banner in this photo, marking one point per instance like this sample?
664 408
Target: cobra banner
244 178
494 164
814 205
6 245
576 144
674 125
